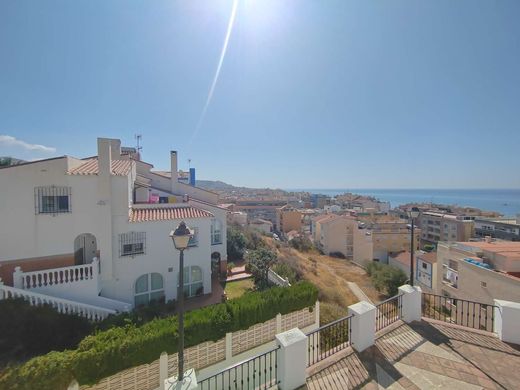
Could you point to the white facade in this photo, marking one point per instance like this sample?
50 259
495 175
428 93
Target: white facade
67 211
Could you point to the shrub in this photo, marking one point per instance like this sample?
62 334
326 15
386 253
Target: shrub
303 244
285 271
386 278
110 351
236 244
27 331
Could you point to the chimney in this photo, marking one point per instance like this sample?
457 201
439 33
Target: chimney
174 169
115 149
104 156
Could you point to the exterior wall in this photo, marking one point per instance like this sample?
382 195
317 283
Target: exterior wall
289 220
263 227
425 274
337 236
470 285
363 247
497 229
34 264
396 263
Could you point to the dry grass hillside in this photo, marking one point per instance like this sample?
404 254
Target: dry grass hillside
330 275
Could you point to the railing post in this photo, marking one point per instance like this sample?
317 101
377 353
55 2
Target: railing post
411 303
363 325
17 277
317 314
507 320
292 359
163 370
95 273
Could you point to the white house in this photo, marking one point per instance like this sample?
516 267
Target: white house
95 230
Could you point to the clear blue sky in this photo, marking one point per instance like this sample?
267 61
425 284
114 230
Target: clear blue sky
316 94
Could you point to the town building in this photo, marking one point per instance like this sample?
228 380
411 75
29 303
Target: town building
479 271
425 269
501 228
64 215
319 201
263 207
334 234
287 219
262 225
438 226
375 241
237 217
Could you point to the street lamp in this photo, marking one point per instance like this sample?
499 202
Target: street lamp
181 238
413 213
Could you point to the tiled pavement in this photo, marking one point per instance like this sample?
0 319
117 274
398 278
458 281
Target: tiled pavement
423 355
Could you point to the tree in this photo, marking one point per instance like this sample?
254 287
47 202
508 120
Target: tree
303 244
386 278
258 263
236 244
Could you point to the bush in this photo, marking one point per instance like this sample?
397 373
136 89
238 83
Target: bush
285 271
110 351
386 278
236 244
337 255
27 331
303 244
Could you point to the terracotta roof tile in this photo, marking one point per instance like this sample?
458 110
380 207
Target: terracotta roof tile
91 167
167 213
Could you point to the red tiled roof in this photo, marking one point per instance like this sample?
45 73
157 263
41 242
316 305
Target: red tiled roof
91 167
167 213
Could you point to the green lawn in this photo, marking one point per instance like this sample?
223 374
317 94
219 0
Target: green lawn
238 288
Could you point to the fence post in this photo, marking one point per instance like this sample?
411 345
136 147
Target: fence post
506 320
229 345
1 291
411 303
278 323
292 359
74 385
363 325
163 370
17 277
317 314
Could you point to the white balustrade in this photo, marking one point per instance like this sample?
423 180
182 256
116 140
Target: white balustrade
65 306
56 276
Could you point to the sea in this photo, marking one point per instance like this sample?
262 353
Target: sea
504 201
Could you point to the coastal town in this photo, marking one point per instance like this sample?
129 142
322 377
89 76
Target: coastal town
259 195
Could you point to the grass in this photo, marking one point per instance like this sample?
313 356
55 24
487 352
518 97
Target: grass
238 288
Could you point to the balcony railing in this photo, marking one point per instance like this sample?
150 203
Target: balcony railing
471 314
259 372
328 339
388 312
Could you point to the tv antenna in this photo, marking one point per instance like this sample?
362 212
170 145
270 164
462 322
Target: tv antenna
189 163
138 138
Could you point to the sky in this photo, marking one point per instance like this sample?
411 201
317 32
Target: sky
310 94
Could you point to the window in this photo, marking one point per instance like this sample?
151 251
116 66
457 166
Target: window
148 288
216 232
192 281
132 243
52 200
424 266
194 240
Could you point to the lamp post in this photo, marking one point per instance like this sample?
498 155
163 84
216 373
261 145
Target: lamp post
181 238
413 213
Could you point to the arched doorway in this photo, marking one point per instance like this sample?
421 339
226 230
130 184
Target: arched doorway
215 264
85 248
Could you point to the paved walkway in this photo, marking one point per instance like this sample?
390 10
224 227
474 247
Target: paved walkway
423 355
358 292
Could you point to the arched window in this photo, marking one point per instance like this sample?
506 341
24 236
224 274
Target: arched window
216 232
148 288
192 281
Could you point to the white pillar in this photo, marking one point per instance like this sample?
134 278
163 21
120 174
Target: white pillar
163 370
17 278
411 303
363 325
73 385
229 345
507 321
292 359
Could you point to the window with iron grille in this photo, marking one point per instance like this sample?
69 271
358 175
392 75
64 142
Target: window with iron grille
52 200
216 232
132 243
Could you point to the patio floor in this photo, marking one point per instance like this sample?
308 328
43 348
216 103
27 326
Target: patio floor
422 355
208 299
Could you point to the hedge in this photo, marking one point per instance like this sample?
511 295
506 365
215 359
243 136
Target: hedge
108 352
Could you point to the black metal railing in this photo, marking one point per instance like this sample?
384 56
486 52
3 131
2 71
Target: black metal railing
471 314
259 372
388 312
328 339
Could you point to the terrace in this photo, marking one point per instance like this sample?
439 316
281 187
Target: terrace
411 341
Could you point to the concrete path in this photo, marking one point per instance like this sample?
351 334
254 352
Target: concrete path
358 292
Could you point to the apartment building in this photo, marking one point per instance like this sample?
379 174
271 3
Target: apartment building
334 234
501 228
479 271
263 208
318 201
437 226
64 214
262 225
375 241
425 269
287 219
